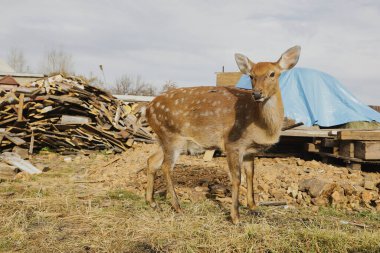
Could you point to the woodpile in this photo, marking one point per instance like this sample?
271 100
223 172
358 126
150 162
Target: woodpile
67 114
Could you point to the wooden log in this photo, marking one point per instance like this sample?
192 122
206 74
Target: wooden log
367 150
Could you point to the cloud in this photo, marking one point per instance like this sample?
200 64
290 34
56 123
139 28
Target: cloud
188 41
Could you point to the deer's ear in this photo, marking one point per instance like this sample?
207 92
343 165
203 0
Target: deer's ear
244 64
290 58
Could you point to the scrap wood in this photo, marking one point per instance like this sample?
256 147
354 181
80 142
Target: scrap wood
15 160
273 203
57 108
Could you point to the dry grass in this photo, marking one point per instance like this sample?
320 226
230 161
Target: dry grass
53 213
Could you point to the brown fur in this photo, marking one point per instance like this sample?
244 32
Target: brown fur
217 117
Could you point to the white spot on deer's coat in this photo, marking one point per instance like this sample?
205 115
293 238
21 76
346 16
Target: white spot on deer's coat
157 104
167 109
176 102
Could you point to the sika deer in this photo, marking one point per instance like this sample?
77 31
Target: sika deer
234 120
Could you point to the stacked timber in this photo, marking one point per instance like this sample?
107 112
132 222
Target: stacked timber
67 114
352 146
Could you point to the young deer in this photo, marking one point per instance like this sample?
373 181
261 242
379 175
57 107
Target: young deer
234 120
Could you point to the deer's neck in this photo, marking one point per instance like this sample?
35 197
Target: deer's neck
272 114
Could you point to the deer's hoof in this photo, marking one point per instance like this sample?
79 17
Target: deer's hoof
154 205
235 220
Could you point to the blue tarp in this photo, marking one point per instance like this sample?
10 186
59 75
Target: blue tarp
316 98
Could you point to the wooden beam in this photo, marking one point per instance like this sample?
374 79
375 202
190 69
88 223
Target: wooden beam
367 150
346 149
360 135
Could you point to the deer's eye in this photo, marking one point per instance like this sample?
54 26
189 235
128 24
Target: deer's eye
271 74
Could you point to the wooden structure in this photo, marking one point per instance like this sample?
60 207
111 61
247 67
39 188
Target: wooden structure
8 83
354 147
227 78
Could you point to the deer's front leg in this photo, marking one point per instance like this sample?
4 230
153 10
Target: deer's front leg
250 171
234 163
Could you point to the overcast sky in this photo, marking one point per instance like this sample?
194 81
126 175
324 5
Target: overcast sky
188 41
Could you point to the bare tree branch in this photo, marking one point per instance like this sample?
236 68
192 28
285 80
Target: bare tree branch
168 85
133 86
57 61
16 60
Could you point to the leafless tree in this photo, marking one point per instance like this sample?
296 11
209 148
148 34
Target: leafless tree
168 85
94 80
57 61
16 60
133 86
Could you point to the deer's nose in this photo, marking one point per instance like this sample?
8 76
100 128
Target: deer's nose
257 95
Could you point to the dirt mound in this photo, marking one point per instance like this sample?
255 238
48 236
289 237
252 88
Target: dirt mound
298 182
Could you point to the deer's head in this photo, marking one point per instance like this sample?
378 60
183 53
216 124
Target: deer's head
264 75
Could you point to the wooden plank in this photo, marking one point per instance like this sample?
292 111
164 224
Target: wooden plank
209 154
70 119
31 146
367 150
16 140
20 107
305 133
15 160
130 142
370 135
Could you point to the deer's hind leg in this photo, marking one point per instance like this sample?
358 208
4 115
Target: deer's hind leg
154 163
171 155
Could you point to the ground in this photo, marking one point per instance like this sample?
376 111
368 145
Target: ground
94 202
